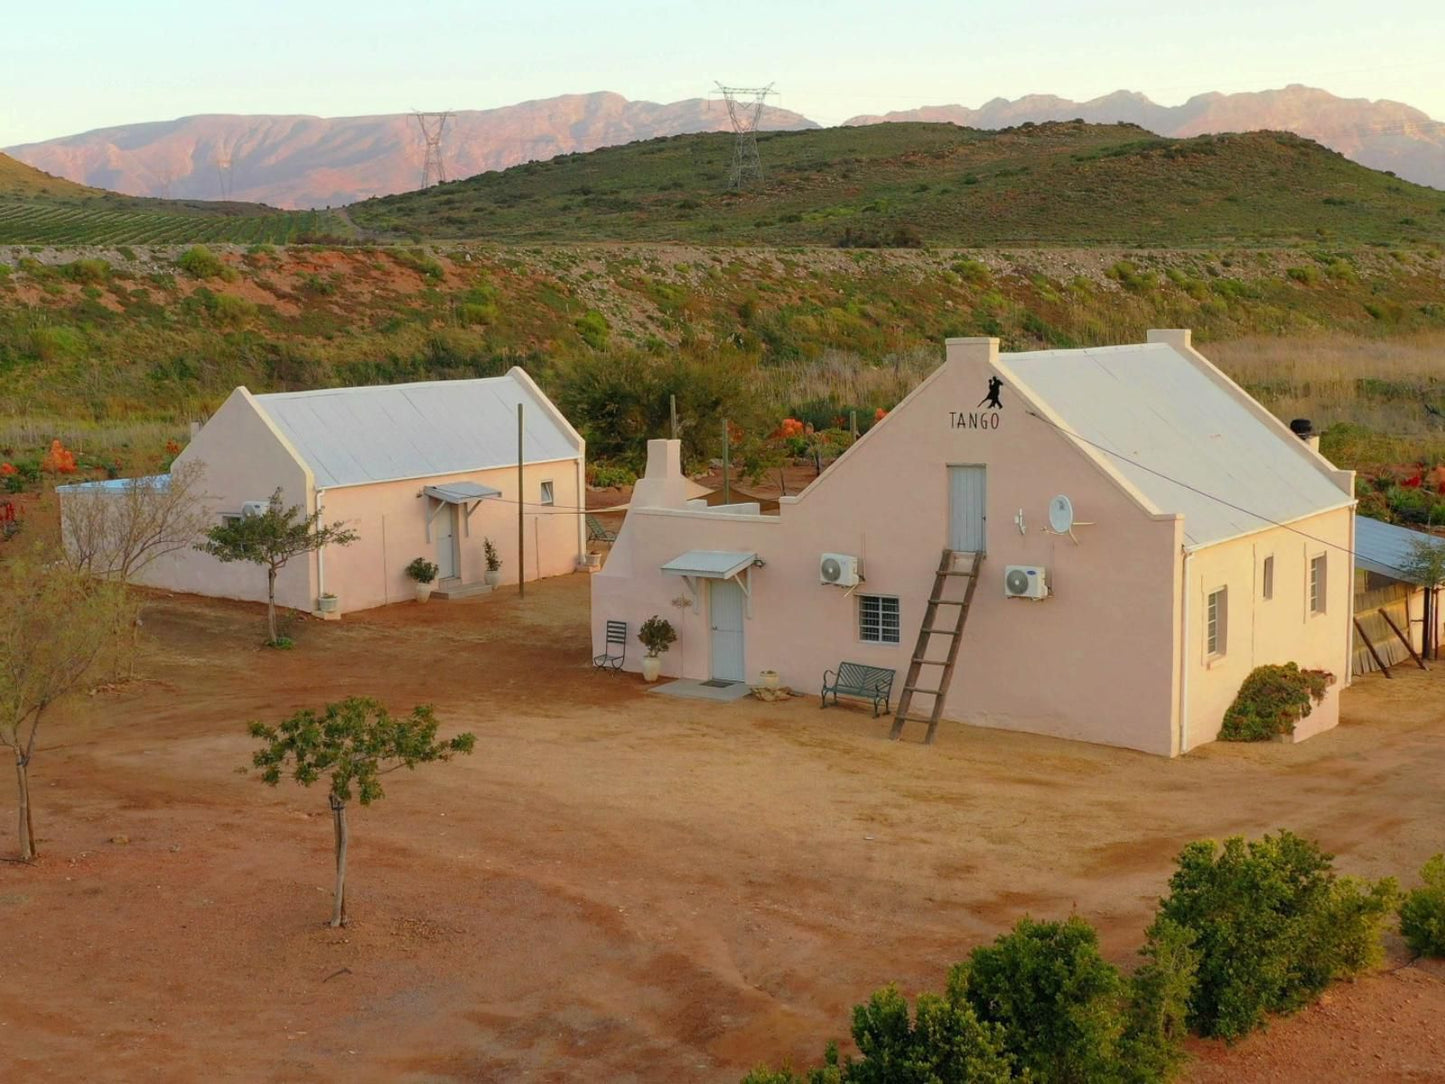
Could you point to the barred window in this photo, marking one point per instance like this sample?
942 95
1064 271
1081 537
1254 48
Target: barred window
878 619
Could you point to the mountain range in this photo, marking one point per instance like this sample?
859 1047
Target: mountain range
304 162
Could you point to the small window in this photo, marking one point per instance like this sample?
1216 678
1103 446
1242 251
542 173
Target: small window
548 496
878 619
230 519
1266 588
1317 584
1216 628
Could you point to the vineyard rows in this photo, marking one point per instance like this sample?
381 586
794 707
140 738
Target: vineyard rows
34 223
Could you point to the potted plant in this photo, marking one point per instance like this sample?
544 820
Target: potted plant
768 679
327 603
422 572
657 635
493 575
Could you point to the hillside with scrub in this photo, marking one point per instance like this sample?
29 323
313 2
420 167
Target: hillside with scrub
119 348
911 184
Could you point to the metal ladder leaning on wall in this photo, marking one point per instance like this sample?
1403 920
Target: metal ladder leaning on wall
930 628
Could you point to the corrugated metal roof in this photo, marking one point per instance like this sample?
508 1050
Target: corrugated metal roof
710 564
1189 440
1385 548
351 436
461 492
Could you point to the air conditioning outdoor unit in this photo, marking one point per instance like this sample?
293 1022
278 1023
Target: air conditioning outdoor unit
1025 581
838 569
254 508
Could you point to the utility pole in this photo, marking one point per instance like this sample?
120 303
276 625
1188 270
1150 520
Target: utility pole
727 481
521 512
745 110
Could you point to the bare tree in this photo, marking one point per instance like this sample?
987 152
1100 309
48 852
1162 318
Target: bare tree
54 624
1425 565
119 531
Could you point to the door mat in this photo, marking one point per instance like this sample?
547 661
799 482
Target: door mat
718 683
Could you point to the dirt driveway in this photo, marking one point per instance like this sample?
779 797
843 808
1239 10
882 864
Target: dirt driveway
617 886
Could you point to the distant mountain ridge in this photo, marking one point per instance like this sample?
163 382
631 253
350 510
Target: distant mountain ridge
304 161
1381 134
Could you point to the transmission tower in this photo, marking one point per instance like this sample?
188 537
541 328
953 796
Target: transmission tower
223 172
433 128
745 109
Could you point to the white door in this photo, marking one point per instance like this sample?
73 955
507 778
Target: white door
725 607
445 529
967 509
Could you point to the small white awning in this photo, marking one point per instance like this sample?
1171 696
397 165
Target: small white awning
466 494
461 492
710 564
697 565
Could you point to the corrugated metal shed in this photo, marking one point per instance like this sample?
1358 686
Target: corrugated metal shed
1190 441
1385 548
352 436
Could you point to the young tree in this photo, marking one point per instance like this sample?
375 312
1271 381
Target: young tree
1425 564
272 539
53 626
355 742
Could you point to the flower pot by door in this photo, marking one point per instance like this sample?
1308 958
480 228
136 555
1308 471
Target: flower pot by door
651 667
423 592
768 679
327 604
491 579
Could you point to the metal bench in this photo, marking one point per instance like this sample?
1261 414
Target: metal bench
616 636
855 679
596 532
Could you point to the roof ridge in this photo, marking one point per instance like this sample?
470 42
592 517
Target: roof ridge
384 387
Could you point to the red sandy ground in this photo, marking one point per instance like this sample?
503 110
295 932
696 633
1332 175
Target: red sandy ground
619 886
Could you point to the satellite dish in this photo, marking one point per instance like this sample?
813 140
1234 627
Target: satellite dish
832 570
1061 515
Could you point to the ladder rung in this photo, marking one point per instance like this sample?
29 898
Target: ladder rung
920 689
913 719
955 573
939 632
931 662
946 601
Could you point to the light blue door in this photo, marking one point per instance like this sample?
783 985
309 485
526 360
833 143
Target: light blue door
967 509
445 529
725 608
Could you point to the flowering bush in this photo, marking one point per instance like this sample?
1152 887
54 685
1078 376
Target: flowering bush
59 460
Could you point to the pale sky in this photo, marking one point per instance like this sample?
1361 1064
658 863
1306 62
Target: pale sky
94 63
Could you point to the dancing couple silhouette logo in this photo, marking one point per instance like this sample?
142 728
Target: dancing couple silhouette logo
991 400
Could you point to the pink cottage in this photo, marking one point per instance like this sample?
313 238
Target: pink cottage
1142 534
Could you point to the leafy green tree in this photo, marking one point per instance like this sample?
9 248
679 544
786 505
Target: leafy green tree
54 624
354 743
1156 1020
1425 564
272 539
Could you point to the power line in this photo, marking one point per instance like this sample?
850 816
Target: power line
433 130
1186 485
745 110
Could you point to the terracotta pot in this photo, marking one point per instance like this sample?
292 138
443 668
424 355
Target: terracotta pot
651 668
423 592
492 577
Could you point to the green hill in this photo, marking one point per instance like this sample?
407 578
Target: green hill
38 209
903 185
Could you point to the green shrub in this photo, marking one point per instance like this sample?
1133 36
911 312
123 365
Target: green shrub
607 475
1310 276
1157 1017
1057 1000
200 263
1272 700
1272 924
86 271
233 309
594 329
1422 914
